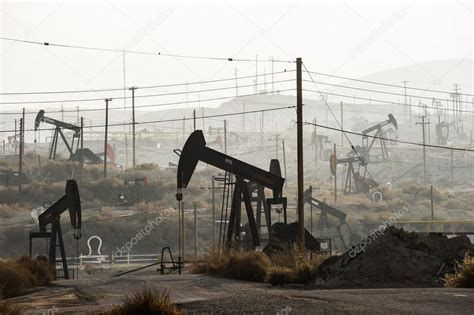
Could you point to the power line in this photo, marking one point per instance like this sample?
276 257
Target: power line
386 92
230 59
144 87
149 105
385 84
388 139
171 119
138 96
386 102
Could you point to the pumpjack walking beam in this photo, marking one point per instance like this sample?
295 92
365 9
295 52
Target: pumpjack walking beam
70 201
195 150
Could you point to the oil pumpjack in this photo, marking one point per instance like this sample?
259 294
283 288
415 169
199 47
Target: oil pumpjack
379 134
52 216
75 153
195 150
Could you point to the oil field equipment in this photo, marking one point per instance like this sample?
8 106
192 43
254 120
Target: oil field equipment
75 153
379 134
324 146
195 150
133 190
343 229
354 182
10 178
52 216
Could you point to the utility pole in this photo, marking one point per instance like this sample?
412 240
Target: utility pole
184 128
225 136
405 89
107 100
424 147
335 176
213 214
284 163
299 120
452 166
342 124
82 146
195 234
243 117
133 127
22 143
236 83
315 140
20 155
194 120
261 131
14 136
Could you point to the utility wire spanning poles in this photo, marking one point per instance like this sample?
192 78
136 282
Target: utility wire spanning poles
299 123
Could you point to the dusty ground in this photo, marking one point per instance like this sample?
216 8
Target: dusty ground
199 294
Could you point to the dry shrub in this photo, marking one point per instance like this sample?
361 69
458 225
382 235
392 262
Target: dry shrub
17 275
281 276
7 308
248 265
453 204
146 167
301 273
146 301
281 267
464 275
243 265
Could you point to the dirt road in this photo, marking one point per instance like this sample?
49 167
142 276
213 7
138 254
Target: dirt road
205 294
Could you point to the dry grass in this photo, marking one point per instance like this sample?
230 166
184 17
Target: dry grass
283 267
7 308
20 274
243 265
464 275
146 301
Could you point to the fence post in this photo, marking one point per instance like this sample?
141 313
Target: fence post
80 260
128 258
112 259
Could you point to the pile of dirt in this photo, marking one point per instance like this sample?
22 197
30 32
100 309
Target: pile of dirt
394 258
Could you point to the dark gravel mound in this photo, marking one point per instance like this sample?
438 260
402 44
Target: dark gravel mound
395 258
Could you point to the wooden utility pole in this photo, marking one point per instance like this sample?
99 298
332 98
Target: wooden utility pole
133 126
432 209
299 121
82 146
213 215
284 162
107 100
14 136
195 234
405 107
335 176
342 125
225 136
424 147
20 155
315 141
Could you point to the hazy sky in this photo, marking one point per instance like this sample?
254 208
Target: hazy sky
351 38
